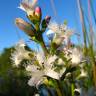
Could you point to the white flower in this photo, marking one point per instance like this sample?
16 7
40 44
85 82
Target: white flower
51 73
54 27
62 32
31 68
36 79
36 73
40 57
28 6
76 56
50 60
45 69
49 69
20 53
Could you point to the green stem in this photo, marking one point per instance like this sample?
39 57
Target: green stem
60 88
72 89
44 47
83 25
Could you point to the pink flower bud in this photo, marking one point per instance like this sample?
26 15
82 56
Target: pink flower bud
38 11
47 18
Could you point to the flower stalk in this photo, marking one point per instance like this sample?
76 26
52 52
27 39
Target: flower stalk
44 47
91 42
83 25
60 88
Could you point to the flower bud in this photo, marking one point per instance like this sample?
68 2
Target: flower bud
45 23
38 14
26 27
47 18
38 11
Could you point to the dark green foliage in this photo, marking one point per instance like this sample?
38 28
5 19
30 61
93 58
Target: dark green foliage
13 81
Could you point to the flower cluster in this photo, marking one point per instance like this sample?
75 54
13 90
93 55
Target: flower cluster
59 61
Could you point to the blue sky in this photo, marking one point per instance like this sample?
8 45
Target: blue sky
66 9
